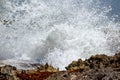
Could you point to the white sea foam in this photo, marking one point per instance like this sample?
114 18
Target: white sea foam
56 31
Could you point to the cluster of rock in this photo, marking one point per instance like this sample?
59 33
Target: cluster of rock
8 72
98 67
41 72
91 74
96 62
47 68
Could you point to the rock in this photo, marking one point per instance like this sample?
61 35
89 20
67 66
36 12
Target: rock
98 67
8 72
46 67
34 75
91 74
78 65
115 60
73 77
98 61
8 69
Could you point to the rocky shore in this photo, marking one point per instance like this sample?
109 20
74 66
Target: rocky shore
98 67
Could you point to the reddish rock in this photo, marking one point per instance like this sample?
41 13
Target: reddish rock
34 75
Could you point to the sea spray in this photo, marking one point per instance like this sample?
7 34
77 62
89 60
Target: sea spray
56 31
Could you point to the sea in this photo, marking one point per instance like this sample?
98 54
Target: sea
57 32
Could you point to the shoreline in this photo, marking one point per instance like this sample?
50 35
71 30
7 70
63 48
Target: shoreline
97 67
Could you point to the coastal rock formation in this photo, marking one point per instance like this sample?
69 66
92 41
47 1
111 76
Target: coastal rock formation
40 73
47 68
78 65
91 74
98 67
95 62
8 72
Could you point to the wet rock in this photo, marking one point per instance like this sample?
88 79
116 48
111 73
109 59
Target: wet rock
40 73
34 75
98 67
59 76
98 61
91 74
8 69
47 67
78 65
8 72
115 60
73 77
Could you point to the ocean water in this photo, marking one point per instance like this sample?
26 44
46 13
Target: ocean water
58 31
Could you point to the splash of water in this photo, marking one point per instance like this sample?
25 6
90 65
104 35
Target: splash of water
56 31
